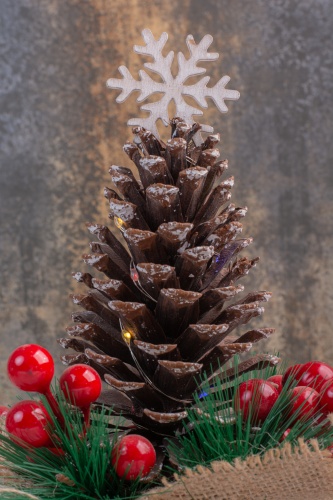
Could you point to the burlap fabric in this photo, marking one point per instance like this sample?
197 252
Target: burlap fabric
12 486
304 473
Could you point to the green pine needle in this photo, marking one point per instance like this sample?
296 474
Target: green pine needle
214 431
85 469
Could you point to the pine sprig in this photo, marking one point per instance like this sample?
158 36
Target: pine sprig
84 471
215 431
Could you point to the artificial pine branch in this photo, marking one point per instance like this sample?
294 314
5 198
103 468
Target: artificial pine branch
83 471
215 431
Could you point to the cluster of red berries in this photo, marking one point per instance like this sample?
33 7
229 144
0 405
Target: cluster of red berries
31 368
310 391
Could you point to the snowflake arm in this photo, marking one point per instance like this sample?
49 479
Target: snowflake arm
157 110
199 91
188 67
146 85
153 48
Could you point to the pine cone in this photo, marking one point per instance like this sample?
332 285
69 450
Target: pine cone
162 317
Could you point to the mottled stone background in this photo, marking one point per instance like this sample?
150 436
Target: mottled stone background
60 129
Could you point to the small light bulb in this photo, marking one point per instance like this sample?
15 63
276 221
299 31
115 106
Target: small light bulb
127 336
119 223
134 275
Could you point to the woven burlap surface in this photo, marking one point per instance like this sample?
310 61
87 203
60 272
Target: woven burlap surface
304 473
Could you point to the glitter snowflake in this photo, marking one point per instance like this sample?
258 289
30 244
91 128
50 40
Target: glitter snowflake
173 87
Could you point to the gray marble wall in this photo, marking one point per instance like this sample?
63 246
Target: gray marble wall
60 129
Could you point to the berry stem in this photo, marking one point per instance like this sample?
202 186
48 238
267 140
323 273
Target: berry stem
86 416
54 406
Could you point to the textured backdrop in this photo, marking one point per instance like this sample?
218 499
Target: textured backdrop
60 129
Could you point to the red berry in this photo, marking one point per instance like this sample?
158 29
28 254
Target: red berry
255 397
326 400
315 374
285 434
30 367
304 397
291 373
3 411
29 422
59 452
81 385
133 456
276 379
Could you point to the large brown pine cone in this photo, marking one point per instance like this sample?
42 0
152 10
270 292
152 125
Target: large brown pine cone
166 311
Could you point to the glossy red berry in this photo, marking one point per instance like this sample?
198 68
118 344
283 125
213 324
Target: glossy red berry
81 385
133 456
326 399
29 422
276 379
315 374
304 402
31 368
255 397
292 373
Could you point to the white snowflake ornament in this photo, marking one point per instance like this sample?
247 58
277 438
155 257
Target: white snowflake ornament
173 87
